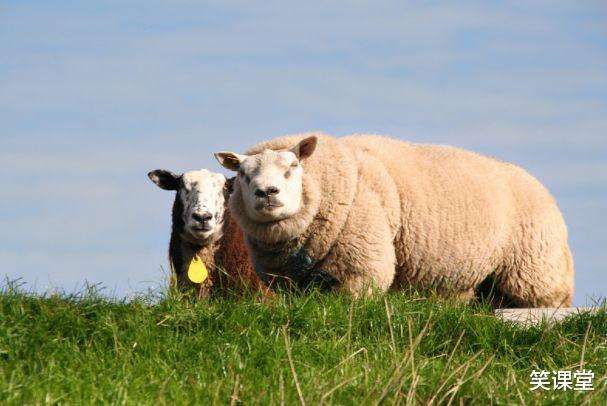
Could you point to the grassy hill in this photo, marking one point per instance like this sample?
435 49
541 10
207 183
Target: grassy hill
316 348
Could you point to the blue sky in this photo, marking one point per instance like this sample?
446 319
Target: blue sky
95 94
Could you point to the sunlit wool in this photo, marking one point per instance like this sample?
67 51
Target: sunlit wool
378 212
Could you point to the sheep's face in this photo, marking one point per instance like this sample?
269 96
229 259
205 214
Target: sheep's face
202 197
271 181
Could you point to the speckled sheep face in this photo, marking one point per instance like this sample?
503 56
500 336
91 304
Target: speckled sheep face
271 181
202 195
203 201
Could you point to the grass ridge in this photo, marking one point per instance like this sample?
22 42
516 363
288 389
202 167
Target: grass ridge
402 348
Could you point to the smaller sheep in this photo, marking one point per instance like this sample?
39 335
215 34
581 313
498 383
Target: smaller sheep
203 227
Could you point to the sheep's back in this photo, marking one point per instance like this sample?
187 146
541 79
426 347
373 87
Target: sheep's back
457 209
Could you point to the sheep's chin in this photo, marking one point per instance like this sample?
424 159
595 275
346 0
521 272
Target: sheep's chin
201 237
269 215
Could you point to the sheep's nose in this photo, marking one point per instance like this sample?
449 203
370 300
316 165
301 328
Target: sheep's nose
269 191
202 217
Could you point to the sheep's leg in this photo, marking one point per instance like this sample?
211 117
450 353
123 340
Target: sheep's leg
319 279
541 280
363 257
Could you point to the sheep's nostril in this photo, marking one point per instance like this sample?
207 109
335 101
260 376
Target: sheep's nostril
272 190
269 191
202 218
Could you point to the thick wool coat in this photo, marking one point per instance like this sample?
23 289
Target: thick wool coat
383 213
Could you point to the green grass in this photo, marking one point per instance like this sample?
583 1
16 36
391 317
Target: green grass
395 348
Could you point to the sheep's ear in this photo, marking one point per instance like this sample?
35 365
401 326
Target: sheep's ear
230 160
305 147
166 180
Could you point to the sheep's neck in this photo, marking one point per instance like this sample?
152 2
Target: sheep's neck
213 253
207 254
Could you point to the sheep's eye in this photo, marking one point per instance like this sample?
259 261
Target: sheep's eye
287 174
295 164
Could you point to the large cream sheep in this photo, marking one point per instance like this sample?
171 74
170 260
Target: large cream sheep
368 211
202 227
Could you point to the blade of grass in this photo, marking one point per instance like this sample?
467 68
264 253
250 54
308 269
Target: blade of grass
288 347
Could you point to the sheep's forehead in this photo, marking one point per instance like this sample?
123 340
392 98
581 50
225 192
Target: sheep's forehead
203 180
269 159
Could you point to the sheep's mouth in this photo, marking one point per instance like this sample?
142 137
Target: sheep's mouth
202 229
269 206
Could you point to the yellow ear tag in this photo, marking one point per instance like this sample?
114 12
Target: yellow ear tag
197 272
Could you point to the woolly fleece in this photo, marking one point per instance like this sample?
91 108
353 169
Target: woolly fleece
384 213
